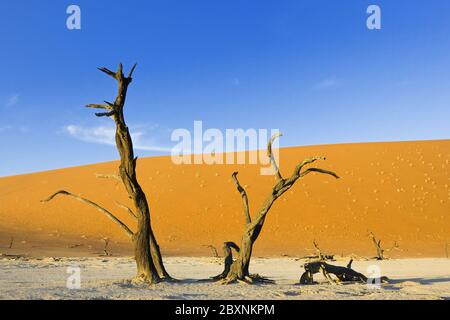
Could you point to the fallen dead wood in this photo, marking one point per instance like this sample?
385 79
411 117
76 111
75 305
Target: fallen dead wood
13 256
73 246
343 274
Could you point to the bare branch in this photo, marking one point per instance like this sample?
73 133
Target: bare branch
131 212
111 105
305 162
283 186
108 72
106 114
243 193
131 71
331 173
271 156
108 176
395 246
93 204
99 106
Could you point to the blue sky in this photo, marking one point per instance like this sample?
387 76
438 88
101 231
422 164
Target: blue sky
309 68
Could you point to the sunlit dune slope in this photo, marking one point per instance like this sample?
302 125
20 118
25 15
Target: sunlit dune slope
399 191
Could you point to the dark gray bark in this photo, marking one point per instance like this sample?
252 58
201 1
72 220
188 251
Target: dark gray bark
343 274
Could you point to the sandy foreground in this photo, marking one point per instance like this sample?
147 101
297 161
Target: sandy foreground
109 278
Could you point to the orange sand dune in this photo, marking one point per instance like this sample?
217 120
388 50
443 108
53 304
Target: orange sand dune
400 191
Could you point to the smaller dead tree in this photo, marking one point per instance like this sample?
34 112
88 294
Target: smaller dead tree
377 244
321 256
105 249
213 250
379 248
238 270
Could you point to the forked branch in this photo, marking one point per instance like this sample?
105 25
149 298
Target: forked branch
130 75
99 106
243 193
309 170
93 204
272 157
107 176
284 185
127 209
304 163
108 72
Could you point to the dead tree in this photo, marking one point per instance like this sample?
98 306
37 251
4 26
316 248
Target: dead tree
380 250
105 249
150 267
213 250
320 255
377 244
238 270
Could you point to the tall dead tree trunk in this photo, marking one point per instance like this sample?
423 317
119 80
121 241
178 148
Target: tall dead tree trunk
239 268
150 267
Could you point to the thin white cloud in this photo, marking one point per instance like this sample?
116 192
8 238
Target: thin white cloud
106 135
5 128
102 135
15 129
328 83
12 100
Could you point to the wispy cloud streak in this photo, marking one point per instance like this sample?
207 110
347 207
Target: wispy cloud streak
106 135
12 100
